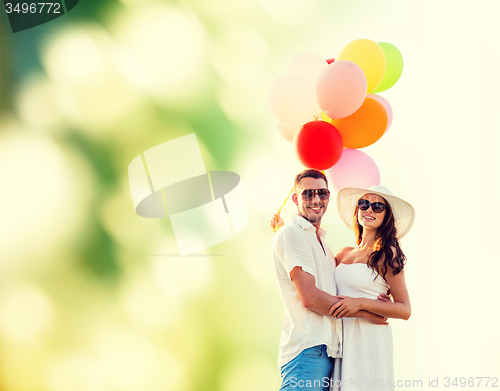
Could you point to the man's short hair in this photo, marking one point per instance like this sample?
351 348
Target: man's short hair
309 174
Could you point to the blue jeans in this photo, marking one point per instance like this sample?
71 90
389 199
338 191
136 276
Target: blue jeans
309 371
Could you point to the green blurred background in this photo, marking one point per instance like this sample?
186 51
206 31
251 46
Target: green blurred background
91 298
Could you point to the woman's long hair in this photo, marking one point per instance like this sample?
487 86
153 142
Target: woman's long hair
385 239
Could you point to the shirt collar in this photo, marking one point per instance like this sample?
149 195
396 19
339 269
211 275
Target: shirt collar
306 225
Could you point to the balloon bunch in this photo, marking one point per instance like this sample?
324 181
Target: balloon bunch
328 109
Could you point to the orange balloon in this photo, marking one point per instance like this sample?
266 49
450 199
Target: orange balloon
365 126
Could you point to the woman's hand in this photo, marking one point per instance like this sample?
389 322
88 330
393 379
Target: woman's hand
347 306
276 222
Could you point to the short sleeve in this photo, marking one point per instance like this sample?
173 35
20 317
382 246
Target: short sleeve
294 250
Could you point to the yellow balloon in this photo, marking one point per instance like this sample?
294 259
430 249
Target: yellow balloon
369 56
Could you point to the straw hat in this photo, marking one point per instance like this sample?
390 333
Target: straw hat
347 199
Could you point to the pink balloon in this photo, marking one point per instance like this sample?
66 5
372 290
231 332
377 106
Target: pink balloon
354 169
341 89
387 106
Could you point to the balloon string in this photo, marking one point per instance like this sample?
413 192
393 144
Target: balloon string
276 227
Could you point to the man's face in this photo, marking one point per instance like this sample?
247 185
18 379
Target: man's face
313 209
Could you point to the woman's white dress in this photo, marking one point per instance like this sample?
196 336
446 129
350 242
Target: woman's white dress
367 348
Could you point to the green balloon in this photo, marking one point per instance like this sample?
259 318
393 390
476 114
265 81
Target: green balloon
394 66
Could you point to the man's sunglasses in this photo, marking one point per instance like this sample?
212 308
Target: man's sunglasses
309 194
377 207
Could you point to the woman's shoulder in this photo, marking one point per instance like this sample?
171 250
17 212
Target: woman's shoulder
393 251
382 264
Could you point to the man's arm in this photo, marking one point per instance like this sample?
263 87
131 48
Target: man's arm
310 296
370 316
319 301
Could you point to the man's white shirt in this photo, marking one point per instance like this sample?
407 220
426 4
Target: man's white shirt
296 244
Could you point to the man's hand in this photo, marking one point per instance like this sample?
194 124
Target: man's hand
347 306
276 222
384 297
374 318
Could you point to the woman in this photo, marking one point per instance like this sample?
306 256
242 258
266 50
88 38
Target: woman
363 272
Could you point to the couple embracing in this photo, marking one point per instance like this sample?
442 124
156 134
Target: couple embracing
335 334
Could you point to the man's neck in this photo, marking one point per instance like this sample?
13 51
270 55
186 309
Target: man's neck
316 224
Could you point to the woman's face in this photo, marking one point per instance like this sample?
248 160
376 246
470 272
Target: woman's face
368 218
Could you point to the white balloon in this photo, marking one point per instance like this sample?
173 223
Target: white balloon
307 65
292 100
287 132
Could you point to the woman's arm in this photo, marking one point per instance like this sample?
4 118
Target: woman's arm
400 308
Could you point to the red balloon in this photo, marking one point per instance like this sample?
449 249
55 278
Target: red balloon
318 144
330 60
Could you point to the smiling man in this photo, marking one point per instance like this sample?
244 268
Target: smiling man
304 268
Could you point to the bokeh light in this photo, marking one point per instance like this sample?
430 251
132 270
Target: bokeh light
77 371
84 64
247 373
162 51
37 104
27 314
42 186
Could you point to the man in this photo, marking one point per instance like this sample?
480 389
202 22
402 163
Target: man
304 268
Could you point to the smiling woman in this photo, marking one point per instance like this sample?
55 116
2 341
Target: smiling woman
363 273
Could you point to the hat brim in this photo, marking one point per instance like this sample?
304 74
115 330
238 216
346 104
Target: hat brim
404 213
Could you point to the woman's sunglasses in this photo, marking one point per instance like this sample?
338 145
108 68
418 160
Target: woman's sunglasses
308 195
377 207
